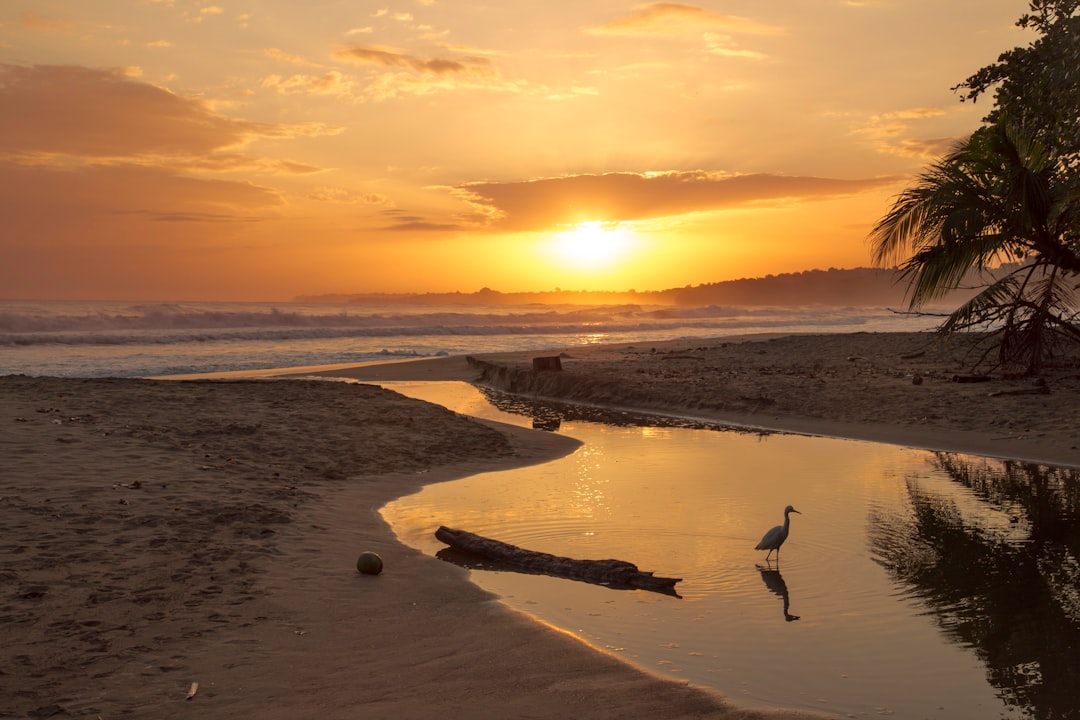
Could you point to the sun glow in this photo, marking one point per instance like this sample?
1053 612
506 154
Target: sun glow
592 245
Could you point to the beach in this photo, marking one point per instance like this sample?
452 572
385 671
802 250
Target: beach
187 548
901 388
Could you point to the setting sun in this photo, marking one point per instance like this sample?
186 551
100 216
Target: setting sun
592 245
253 151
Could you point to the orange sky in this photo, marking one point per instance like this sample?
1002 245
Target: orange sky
261 149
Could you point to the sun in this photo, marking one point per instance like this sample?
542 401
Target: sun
591 245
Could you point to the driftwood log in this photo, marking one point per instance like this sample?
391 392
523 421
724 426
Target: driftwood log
613 573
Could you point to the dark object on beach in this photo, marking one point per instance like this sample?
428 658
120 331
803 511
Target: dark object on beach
552 362
369 563
613 573
916 379
970 378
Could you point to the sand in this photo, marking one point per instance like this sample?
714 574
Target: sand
901 388
161 534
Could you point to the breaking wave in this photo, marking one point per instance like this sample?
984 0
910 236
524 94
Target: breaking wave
95 339
41 323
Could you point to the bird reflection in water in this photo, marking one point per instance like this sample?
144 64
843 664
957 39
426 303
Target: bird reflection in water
775 582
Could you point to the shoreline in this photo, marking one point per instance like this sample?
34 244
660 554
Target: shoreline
204 531
818 391
179 548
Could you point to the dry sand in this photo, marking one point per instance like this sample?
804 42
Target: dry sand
158 534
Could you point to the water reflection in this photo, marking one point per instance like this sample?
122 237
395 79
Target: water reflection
967 606
775 582
1000 576
549 415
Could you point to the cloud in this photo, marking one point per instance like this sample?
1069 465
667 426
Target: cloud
279 54
205 12
661 18
389 57
724 46
103 115
404 221
401 73
44 23
890 134
92 156
421 225
52 205
928 149
86 112
553 202
346 196
332 83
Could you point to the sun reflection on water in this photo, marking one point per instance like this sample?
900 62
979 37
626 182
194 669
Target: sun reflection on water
923 584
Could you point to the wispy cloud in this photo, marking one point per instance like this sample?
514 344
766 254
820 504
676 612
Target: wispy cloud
894 133
663 18
401 73
44 23
279 54
332 83
390 57
208 11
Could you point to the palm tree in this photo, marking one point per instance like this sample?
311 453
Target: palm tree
997 210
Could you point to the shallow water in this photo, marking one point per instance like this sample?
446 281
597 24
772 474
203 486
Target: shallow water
913 585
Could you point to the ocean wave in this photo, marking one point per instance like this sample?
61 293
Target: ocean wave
116 320
173 336
96 339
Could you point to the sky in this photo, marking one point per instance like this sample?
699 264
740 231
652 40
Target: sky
264 149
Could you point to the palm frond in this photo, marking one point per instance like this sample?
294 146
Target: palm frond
998 197
938 269
984 308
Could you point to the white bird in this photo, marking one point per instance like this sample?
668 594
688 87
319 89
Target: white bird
776 537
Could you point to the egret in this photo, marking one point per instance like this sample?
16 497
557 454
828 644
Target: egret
776 537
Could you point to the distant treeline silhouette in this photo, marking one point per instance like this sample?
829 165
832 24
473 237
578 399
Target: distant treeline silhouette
833 287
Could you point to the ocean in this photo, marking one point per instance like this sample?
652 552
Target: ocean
148 339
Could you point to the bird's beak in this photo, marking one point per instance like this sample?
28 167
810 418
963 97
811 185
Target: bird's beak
795 511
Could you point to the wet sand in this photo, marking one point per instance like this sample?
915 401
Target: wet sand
164 537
